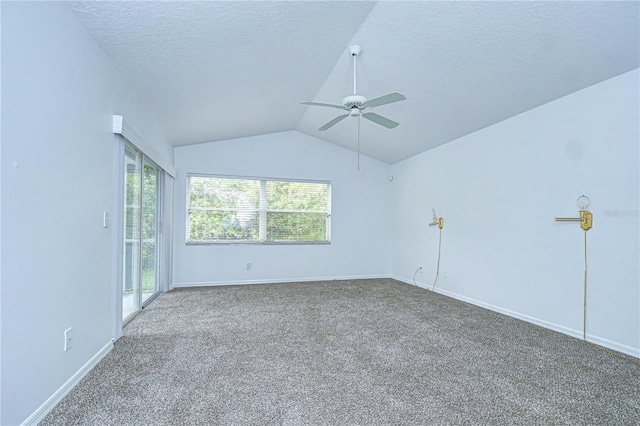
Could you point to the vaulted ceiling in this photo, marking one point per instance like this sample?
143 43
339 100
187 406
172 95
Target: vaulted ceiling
212 71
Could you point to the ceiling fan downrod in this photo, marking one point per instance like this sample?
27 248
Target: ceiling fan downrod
355 51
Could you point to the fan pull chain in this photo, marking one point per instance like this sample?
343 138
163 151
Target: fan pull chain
358 142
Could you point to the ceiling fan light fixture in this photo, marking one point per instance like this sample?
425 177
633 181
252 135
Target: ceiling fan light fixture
354 112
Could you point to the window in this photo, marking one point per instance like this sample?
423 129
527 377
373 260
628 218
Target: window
253 210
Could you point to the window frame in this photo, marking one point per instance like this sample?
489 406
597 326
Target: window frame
262 212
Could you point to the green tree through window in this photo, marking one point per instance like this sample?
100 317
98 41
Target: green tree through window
228 210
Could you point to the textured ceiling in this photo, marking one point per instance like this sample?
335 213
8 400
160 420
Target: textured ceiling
221 70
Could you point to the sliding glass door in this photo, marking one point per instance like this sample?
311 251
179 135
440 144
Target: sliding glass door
142 210
131 301
150 215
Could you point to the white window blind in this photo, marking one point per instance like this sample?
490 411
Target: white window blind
252 210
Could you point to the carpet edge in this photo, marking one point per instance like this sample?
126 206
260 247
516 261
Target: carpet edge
278 280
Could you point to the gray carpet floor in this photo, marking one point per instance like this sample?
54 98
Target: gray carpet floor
366 352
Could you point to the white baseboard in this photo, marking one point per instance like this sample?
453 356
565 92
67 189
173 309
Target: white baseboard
54 399
409 281
613 345
276 281
537 321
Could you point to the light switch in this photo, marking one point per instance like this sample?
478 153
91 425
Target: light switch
105 220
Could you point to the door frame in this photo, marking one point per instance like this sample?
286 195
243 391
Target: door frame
163 236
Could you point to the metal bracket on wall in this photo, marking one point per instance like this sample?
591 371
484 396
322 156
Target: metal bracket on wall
436 221
585 219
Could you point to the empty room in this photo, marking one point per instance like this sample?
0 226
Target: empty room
320 212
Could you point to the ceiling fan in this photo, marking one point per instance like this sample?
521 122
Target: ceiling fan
357 105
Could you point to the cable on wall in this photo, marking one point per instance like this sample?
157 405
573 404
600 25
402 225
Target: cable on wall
584 306
414 276
584 315
438 265
440 223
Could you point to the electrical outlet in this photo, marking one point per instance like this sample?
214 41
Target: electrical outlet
420 269
248 266
444 273
68 338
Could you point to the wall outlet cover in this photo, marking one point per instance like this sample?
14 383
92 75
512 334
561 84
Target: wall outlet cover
68 338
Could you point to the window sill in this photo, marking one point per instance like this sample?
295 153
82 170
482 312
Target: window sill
257 243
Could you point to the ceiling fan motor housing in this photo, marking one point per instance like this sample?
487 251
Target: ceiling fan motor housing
354 101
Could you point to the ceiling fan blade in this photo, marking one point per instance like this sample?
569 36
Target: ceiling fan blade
383 121
333 122
323 104
383 100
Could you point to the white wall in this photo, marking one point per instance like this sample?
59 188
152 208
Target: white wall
500 188
360 212
58 95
